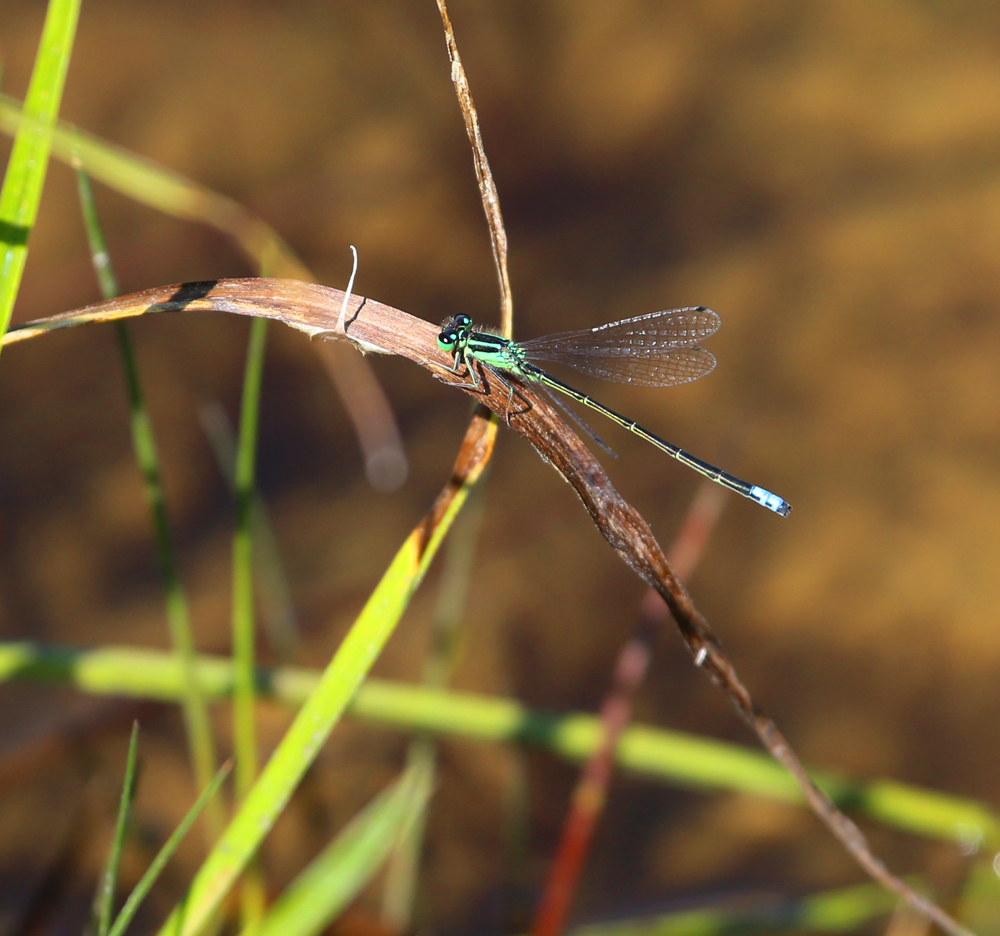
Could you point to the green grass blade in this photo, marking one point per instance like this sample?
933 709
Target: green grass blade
243 613
244 628
403 871
164 855
29 157
671 756
99 256
277 611
314 722
979 904
831 912
105 898
196 719
322 892
154 185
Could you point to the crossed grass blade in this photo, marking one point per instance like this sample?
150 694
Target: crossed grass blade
673 757
154 185
164 855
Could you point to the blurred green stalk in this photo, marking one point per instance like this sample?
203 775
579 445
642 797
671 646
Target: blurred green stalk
196 720
684 759
403 871
273 593
829 912
244 643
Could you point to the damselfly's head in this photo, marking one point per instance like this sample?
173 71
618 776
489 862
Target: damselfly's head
448 339
454 332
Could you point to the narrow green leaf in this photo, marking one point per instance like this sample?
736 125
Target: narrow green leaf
322 892
104 904
164 855
29 157
274 595
99 257
152 184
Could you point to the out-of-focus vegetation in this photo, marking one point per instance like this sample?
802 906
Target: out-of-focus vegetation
826 175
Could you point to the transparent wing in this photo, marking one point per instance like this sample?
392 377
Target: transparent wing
656 350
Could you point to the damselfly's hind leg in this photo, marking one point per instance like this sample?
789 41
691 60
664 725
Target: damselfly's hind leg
579 420
512 392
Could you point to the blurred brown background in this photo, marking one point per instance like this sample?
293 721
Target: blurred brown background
824 174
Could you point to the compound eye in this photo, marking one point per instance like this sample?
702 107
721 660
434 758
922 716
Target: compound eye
463 321
447 339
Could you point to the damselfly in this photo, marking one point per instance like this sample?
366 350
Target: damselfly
656 350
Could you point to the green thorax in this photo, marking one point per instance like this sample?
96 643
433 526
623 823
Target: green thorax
458 338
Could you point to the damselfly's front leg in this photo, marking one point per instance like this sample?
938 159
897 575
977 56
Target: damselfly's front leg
460 361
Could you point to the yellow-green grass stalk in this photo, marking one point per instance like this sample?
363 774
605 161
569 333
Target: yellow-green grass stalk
674 757
319 714
154 185
29 157
335 877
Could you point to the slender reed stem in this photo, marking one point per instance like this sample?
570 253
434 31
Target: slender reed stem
105 897
244 656
201 744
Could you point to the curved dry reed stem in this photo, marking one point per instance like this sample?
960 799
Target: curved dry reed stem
375 327
487 188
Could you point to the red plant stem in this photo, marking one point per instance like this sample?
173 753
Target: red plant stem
591 791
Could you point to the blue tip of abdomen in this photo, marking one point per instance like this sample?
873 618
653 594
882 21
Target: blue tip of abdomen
771 501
